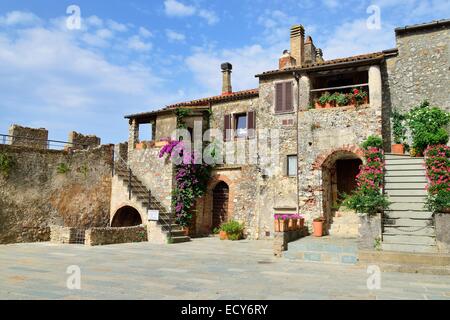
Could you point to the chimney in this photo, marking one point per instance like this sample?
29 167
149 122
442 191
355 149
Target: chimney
226 78
319 55
297 44
310 51
286 60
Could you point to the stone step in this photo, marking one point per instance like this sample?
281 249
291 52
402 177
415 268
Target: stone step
404 161
428 231
175 227
405 173
404 179
407 222
180 239
404 167
404 185
392 156
408 248
406 192
408 214
407 203
409 239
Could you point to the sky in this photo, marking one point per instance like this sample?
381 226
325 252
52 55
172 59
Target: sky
125 57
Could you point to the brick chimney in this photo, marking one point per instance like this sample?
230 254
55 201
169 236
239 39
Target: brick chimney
310 51
298 44
226 78
286 60
319 55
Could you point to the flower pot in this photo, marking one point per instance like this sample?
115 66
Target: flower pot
318 228
284 225
186 231
276 224
317 105
159 144
398 149
223 235
292 224
301 223
330 105
140 146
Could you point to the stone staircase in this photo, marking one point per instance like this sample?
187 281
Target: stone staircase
407 226
345 225
141 193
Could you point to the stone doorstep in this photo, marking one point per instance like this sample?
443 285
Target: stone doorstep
391 261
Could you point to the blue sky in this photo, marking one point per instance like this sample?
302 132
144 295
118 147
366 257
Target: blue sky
135 56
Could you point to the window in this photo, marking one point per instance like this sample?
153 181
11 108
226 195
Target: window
284 97
292 166
240 124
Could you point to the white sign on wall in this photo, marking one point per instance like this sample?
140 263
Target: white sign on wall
153 215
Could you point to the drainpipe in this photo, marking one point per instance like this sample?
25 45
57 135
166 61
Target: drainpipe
297 79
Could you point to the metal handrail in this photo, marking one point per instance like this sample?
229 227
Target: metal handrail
7 137
168 221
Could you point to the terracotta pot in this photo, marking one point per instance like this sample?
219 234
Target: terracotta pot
398 149
284 225
301 223
186 231
139 146
277 225
318 105
318 228
223 235
160 143
292 224
330 105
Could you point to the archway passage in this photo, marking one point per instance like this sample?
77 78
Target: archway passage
220 204
126 217
346 171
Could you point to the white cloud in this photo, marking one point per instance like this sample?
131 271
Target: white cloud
331 3
174 8
353 38
135 43
116 26
145 32
19 18
210 16
174 36
178 9
49 76
94 21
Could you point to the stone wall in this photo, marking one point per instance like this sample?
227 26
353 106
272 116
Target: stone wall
442 223
420 70
327 135
49 187
28 137
79 141
105 236
154 172
165 126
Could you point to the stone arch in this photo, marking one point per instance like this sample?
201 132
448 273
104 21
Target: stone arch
126 216
339 168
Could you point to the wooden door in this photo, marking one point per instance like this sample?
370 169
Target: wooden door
220 204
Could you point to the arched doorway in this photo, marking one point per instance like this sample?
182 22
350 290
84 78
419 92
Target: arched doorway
339 173
220 204
126 217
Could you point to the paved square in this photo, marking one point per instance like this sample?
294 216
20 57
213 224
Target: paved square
202 269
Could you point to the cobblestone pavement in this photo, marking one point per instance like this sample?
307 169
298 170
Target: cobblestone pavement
202 269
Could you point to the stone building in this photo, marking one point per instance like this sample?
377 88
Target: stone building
312 155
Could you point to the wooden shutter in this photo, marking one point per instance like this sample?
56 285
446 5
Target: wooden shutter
288 103
279 97
251 124
227 127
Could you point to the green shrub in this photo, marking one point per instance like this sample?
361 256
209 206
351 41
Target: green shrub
427 126
234 229
372 141
6 164
437 202
398 129
341 99
62 168
367 202
324 98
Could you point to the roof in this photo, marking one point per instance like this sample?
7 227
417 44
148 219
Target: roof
200 104
363 58
423 26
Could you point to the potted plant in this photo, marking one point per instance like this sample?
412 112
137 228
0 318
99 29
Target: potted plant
318 227
341 99
293 222
232 230
399 133
437 160
325 101
359 97
281 223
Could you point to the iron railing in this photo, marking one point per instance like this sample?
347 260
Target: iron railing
23 141
165 219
